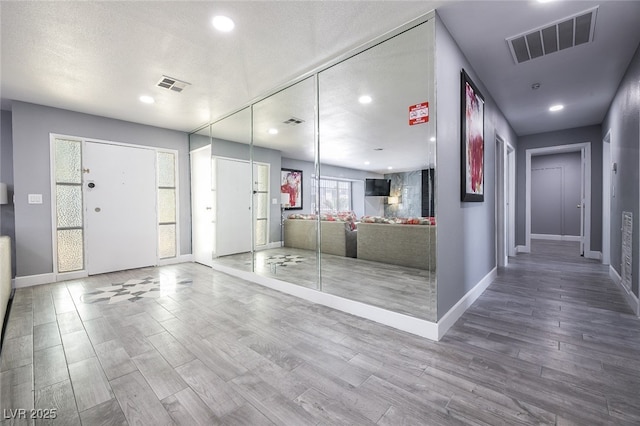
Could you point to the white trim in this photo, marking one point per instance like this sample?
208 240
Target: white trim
420 327
606 198
271 245
585 149
597 255
31 280
632 299
511 163
183 258
554 237
523 249
463 304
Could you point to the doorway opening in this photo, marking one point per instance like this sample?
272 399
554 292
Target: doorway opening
583 204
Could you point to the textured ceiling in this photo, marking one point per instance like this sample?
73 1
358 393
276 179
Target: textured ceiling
99 57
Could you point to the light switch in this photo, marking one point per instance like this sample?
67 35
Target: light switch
35 199
274 201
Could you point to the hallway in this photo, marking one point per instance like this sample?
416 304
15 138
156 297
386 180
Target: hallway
551 341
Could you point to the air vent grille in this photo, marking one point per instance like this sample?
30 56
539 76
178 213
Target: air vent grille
293 121
563 34
172 84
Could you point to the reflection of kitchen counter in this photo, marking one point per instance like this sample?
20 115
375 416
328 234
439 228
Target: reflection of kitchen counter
413 246
334 237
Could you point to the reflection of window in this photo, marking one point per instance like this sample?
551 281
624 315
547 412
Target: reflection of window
335 196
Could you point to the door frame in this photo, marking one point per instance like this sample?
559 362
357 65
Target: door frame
505 201
193 197
60 276
606 198
585 150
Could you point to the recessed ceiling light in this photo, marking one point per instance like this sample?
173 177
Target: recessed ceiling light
273 131
223 23
147 99
555 108
365 99
366 163
389 168
433 139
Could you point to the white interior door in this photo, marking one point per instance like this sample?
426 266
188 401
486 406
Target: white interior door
202 206
120 207
233 218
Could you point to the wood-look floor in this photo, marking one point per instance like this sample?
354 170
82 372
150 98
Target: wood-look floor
409 291
551 341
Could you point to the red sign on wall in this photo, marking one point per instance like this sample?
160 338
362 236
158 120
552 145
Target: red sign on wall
419 114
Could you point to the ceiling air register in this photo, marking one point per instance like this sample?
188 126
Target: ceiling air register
563 34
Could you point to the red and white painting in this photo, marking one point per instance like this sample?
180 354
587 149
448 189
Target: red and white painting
291 184
472 141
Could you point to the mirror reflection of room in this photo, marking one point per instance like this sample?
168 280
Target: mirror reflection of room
348 211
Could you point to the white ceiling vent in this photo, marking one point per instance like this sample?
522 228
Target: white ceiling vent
568 32
172 84
293 121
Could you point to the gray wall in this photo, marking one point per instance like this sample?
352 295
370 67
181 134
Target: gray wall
555 194
591 134
32 125
7 217
466 232
623 120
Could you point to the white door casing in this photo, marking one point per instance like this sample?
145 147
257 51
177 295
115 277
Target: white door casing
202 206
119 186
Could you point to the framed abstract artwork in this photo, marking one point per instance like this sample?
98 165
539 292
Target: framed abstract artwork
291 185
472 140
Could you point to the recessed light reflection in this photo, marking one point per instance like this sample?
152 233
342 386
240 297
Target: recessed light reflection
389 168
223 23
433 139
366 163
273 131
556 108
365 99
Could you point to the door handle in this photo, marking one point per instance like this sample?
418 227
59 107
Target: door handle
579 206
208 208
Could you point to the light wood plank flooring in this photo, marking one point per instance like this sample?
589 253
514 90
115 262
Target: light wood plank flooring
551 341
409 291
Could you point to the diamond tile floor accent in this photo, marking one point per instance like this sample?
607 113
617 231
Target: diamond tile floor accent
134 290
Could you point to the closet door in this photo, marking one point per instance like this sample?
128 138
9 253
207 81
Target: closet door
202 206
232 189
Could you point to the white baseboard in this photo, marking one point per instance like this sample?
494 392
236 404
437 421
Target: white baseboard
31 280
402 322
593 255
523 249
463 304
183 258
632 299
575 238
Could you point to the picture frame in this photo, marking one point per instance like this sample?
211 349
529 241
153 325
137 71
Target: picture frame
291 184
472 140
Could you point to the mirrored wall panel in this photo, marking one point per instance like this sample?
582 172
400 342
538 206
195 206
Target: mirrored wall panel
328 183
376 166
284 147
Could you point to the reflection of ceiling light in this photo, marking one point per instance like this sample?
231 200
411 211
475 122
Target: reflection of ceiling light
365 99
147 99
223 23
389 168
433 139
273 131
366 163
555 108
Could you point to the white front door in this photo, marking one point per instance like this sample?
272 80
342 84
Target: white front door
202 206
233 206
120 207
